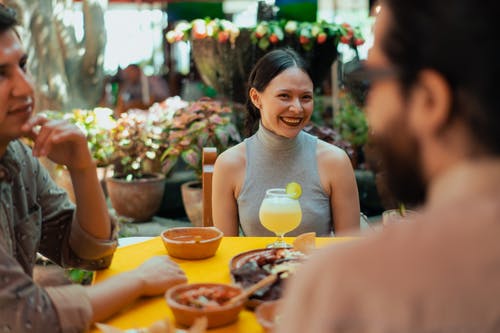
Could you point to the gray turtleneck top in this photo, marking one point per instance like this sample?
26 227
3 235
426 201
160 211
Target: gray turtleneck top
274 161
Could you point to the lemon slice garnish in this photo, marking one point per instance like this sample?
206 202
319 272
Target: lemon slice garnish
294 190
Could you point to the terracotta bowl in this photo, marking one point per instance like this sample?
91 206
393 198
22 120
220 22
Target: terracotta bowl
216 315
192 242
266 314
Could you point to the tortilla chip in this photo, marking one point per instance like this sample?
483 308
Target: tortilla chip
305 243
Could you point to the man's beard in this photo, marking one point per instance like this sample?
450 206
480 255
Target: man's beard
395 157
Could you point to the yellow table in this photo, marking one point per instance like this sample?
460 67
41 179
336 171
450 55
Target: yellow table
216 269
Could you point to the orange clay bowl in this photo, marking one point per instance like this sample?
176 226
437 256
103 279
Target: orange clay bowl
216 315
267 315
192 242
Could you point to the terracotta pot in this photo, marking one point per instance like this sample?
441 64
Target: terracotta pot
192 200
138 199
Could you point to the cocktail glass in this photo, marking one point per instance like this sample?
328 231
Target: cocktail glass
280 213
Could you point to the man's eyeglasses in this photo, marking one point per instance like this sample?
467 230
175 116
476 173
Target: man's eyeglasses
358 78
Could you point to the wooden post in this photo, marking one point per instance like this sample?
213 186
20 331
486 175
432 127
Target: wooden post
208 160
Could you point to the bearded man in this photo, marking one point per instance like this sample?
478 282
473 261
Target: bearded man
433 111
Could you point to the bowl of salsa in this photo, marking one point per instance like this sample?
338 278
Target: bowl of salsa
191 242
211 300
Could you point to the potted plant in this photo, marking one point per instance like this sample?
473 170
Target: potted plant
139 138
203 123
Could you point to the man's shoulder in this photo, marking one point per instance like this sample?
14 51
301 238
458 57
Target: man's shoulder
17 154
417 247
18 147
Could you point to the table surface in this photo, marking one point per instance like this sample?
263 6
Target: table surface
145 311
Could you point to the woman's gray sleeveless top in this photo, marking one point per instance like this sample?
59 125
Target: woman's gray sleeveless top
274 161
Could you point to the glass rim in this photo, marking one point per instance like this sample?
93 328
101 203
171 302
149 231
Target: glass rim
280 192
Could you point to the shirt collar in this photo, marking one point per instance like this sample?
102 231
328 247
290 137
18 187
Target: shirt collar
276 142
9 164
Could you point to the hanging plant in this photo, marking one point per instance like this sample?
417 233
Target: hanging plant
222 30
268 33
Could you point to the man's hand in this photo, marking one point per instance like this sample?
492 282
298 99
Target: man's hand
159 274
60 141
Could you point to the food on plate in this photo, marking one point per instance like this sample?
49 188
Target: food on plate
206 297
250 267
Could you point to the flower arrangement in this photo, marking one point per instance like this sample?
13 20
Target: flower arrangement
222 30
267 33
203 123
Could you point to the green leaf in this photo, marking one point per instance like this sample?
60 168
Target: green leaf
263 43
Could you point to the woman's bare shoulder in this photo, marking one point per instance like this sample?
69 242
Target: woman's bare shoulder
329 153
232 158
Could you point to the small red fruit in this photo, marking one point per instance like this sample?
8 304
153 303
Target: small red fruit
223 36
273 39
303 40
321 38
348 29
359 41
345 39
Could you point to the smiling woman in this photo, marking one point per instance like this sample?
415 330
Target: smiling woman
280 104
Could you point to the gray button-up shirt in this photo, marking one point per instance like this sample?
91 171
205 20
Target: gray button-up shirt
37 216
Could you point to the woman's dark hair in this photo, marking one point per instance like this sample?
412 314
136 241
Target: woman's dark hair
459 39
264 71
7 18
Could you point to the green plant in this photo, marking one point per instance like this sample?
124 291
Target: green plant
203 123
138 141
332 136
350 121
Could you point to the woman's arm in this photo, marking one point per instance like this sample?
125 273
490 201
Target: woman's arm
229 174
337 175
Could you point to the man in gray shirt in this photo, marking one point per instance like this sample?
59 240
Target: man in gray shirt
36 216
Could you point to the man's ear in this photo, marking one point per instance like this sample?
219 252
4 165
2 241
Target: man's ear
431 103
255 98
